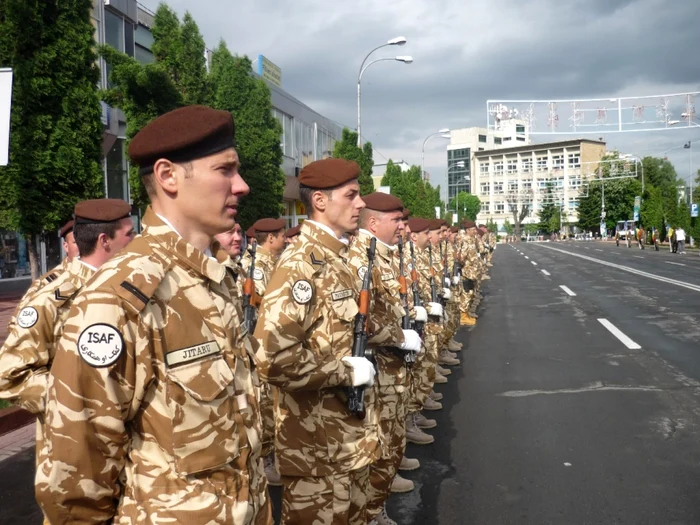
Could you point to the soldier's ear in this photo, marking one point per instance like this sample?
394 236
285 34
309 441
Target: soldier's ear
319 200
164 175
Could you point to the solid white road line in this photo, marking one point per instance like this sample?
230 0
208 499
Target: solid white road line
546 272
526 257
598 250
638 257
567 290
627 269
614 330
533 262
677 264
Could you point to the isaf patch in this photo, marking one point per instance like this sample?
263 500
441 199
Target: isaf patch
302 291
342 294
258 274
100 345
361 272
27 317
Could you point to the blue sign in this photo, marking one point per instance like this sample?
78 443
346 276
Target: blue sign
694 210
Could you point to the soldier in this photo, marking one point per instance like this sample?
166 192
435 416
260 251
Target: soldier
292 234
232 241
153 404
382 219
270 240
249 236
305 328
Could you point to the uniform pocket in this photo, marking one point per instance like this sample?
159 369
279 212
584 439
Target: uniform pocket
202 403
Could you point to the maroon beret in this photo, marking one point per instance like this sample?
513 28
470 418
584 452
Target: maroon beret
250 232
435 224
469 224
269 225
454 229
418 224
101 210
182 135
406 214
328 173
443 222
67 228
293 232
384 202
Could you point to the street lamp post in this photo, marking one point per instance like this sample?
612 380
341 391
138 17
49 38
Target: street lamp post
398 41
444 132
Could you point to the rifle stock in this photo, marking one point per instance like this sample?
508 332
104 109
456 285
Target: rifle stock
251 300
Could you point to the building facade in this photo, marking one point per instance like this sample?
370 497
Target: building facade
532 175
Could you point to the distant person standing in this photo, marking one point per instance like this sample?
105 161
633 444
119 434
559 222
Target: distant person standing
655 239
640 237
680 241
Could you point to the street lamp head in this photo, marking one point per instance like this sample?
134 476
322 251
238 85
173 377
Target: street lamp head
444 130
446 136
404 58
398 41
673 122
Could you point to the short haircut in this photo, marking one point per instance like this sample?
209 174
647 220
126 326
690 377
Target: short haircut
86 235
261 237
148 180
366 214
305 194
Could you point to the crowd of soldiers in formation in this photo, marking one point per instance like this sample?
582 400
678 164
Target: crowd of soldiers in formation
178 373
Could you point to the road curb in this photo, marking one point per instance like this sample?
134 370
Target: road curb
12 418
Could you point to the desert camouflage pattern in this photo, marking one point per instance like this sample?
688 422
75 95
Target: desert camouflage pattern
265 263
334 499
392 379
159 423
304 329
42 281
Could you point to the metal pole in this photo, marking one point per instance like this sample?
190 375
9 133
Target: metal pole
359 131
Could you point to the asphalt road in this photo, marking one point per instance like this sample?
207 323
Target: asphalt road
566 409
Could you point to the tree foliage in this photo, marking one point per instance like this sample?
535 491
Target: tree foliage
258 133
417 195
492 226
56 128
549 213
467 205
346 148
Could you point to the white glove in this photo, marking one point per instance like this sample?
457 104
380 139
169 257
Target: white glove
411 341
363 371
455 280
446 294
435 309
421 314
447 282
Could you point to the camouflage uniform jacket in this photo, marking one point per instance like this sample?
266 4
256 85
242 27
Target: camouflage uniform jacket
265 264
152 390
34 330
305 328
385 309
45 279
424 274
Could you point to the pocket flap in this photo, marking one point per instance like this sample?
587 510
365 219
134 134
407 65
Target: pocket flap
204 380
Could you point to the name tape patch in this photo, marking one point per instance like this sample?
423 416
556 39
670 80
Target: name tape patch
387 276
192 353
27 317
100 345
302 291
342 294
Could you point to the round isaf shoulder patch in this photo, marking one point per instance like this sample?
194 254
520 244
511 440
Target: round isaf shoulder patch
302 291
27 317
361 272
100 345
258 274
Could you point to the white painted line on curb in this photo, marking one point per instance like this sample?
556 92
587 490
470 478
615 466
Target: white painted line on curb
526 257
677 264
638 257
546 272
567 290
627 269
598 250
617 333
533 262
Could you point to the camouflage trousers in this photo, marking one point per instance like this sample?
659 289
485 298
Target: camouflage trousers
267 412
423 370
450 327
41 480
466 302
393 430
340 499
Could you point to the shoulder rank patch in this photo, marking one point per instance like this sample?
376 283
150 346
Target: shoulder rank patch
302 291
100 345
51 277
27 317
258 274
192 353
342 294
315 261
58 296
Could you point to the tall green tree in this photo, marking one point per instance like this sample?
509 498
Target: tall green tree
418 196
549 213
142 92
258 133
467 205
56 128
346 148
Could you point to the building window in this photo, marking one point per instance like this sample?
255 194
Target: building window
519 128
527 186
500 207
482 138
573 204
542 163
498 167
574 160
117 172
527 165
498 188
484 207
481 149
506 139
558 162
143 55
512 185
483 168
512 165
520 139
575 182
485 188
497 140
114 30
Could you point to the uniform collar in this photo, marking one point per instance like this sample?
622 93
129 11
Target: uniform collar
383 249
320 233
81 269
212 267
328 230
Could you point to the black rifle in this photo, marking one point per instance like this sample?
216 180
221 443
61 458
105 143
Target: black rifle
409 357
433 285
418 325
457 267
356 394
251 300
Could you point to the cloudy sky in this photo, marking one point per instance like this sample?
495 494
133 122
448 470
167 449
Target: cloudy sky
466 52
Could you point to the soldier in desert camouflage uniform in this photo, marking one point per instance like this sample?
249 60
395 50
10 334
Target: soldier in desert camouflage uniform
26 357
153 403
381 219
292 234
305 328
270 240
470 273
